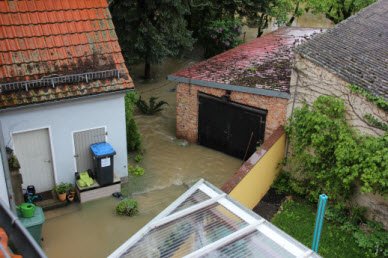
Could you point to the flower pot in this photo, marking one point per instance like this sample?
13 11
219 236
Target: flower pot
62 197
70 197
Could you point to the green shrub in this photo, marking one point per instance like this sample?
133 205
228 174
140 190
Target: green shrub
136 170
152 107
373 238
138 158
132 131
127 207
62 187
328 156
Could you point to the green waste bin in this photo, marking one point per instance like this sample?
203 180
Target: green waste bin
34 224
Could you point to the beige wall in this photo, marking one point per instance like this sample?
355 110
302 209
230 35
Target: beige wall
309 81
252 181
187 109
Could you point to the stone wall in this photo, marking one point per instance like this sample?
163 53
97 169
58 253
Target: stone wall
309 81
187 109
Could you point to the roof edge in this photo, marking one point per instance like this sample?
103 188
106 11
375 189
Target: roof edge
216 85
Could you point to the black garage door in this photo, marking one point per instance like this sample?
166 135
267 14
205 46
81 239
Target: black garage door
230 127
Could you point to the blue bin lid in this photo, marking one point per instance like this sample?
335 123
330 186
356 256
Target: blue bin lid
102 149
37 219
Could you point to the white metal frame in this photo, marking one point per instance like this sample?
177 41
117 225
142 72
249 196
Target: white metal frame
83 130
255 223
52 149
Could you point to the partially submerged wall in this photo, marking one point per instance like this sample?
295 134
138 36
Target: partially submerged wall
309 81
187 109
252 181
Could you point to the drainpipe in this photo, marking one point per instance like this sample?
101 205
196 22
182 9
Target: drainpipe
7 174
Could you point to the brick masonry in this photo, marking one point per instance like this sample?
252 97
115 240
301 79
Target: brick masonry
187 109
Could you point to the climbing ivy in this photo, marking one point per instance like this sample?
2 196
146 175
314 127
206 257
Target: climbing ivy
328 156
378 101
375 122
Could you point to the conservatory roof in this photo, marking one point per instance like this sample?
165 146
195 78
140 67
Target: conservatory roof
205 222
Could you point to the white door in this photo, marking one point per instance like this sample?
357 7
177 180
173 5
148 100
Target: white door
82 142
33 150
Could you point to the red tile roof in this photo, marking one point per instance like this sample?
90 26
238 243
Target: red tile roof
51 37
263 63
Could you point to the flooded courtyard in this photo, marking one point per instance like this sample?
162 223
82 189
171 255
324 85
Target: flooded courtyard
93 229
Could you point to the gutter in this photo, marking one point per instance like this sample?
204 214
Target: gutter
66 100
263 92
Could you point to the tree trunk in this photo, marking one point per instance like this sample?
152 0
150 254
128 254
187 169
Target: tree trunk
147 70
289 23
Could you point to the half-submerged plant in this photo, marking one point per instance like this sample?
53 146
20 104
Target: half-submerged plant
127 207
136 170
152 107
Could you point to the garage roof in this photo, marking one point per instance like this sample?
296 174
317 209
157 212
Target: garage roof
261 66
52 50
205 222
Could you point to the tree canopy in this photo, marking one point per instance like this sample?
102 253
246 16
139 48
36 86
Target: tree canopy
151 30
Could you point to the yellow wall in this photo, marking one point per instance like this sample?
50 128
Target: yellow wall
256 183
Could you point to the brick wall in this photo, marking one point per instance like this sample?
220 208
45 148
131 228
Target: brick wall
187 109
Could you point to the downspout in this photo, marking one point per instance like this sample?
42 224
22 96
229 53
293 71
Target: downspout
7 174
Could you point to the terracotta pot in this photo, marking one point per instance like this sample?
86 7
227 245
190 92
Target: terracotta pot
62 197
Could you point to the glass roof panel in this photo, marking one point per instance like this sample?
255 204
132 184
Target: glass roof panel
197 197
187 234
255 244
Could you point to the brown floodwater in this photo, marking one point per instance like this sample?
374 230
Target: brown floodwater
93 229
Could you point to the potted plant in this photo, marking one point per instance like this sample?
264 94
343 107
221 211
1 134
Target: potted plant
61 190
71 194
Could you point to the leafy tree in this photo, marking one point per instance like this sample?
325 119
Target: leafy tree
338 10
151 30
221 35
259 13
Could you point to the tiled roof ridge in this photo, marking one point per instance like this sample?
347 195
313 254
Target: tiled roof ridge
49 11
51 5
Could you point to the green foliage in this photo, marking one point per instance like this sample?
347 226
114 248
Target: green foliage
135 170
127 207
259 13
335 10
151 30
152 107
373 238
138 158
327 156
375 122
298 219
62 187
132 132
221 35
378 101
13 162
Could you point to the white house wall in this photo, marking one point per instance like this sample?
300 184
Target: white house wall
63 119
3 186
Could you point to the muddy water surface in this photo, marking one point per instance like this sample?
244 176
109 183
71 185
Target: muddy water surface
92 229
171 165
